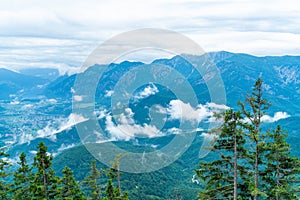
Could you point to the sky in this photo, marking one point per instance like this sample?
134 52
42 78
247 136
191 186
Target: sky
62 33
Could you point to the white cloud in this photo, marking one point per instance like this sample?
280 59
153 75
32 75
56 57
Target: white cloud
184 111
277 116
101 114
14 102
77 98
209 136
62 148
108 93
33 152
60 125
151 89
175 131
52 101
159 109
46 34
217 106
126 128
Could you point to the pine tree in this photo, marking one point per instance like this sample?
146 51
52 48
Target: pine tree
225 177
112 192
4 186
69 188
253 109
93 181
44 184
22 178
282 169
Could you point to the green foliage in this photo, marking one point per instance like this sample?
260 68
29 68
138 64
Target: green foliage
226 174
155 185
252 163
4 186
22 178
253 110
45 183
92 180
246 163
112 192
281 168
69 188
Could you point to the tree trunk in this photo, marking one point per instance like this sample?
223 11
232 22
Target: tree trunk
278 175
235 160
45 180
256 169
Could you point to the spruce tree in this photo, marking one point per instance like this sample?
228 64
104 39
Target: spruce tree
44 184
252 163
4 186
22 178
69 188
253 110
282 169
114 175
92 180
224 177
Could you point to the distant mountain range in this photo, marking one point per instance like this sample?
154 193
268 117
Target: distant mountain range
281 75
36 105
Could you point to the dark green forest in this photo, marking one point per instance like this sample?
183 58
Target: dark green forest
246 162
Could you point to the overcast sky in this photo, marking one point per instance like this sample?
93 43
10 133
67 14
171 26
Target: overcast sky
61 33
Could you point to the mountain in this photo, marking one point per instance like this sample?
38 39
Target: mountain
61 87
160 184
281 75
14 84
150 108
43 73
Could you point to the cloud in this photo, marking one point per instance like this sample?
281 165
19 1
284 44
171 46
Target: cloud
126 128
175 131
77 98
66 55
210 136
179 110
58 126
277 116
151 89
62 148
108 93
43 34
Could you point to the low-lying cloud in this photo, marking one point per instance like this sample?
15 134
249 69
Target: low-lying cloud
124 127
60 125
179 110
277 116
127 129
146 92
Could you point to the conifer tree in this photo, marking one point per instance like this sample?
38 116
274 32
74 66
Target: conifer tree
263 167
282 169
22 178
92 180
69 188
253 110
44 184
225 177
112 192
4 186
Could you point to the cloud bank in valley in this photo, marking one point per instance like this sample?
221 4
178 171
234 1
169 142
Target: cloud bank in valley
54 127
184 111
124 126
